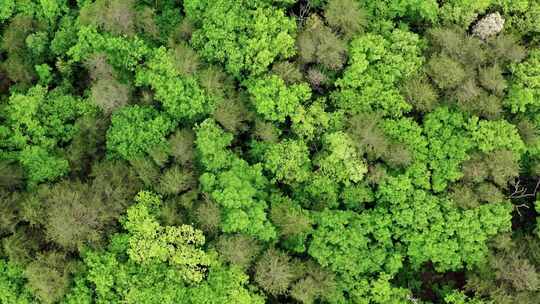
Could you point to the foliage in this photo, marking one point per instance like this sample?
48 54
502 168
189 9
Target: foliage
136 130
377 66
274 100
182 97
245 36
37 123
269 151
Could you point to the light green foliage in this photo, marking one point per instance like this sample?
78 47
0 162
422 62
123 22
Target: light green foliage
269 151
520 17
6 9
289 161
384 13
377 67
12 288
463 12
493 135
241 192
246 36
51 9
44 74
239 188
448 145
212 142
409 134
150 242
378 291
123 53
352 245
524 91
136 130
434 230
117 280
41 165
309 122
340 160
274 100
36 124
181 96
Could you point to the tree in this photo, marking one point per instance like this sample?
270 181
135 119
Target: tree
274 100
176 180
318 44
149 242
420 94
445 72
48 277
289 161
377 66
181 96
238 249
345 16
111 16
136 130
449 143
37 123
12 284
293 222
274 272
524 88
245 37
241 193
340 160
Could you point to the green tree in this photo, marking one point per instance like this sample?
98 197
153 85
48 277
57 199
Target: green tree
12 284
345 16
149 242
245 36
241 193
181 96
289 161
274 100
340 160
37 123
136 130
377 66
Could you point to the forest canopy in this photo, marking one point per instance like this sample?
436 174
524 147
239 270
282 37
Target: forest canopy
269 151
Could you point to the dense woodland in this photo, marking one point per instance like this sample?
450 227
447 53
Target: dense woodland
269 151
